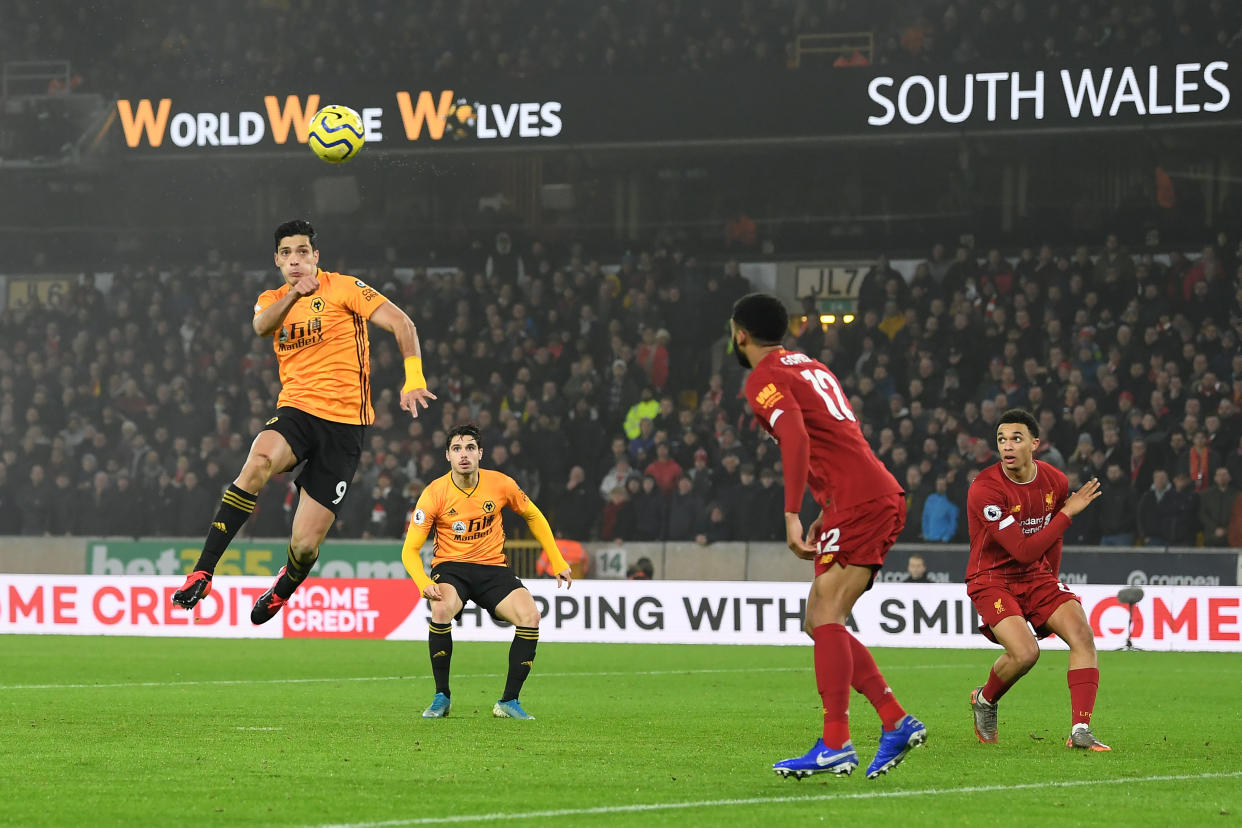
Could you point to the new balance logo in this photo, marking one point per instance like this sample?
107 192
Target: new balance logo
220 526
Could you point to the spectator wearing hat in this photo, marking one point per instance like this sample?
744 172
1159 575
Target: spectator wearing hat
702 476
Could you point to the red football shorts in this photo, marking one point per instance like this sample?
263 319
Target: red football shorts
860 535
1035 599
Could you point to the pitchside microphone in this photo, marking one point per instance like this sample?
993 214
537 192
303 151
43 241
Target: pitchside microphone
1130 596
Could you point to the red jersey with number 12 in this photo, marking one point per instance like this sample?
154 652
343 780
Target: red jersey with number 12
798 400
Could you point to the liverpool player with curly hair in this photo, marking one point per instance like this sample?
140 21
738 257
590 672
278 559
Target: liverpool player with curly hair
799 402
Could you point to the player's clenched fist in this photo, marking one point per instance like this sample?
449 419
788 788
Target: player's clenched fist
305 286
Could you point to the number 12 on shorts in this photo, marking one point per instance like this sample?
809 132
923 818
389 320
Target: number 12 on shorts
828 541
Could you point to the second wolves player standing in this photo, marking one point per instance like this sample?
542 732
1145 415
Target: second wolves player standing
800 403
1018 510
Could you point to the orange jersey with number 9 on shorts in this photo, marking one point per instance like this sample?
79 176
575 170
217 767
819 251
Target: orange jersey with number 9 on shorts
323 349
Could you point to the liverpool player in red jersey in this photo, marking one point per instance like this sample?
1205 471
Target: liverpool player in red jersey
800 403
1018 511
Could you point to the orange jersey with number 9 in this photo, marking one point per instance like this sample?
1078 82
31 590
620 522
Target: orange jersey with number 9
323 348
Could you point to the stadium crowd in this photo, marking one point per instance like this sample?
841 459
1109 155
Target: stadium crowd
266 40
611 396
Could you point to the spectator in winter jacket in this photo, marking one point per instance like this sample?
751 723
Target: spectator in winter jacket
1155 510
1085 529
940 514
1216 509
687 517
1116 508
1185 509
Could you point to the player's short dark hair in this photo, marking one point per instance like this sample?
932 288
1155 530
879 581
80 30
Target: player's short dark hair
463 430
763 316
297 227
1022 416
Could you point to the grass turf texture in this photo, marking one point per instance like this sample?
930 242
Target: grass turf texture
329 732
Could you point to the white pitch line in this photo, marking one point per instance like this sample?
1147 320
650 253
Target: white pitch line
325 680
774 800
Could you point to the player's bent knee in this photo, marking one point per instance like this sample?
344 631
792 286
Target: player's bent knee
1082 641
258 465
1026 656
442 612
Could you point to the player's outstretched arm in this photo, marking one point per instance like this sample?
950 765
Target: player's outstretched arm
415 392
542 531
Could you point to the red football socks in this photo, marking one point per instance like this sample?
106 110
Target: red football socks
870 682
834 665
1083 685
995 688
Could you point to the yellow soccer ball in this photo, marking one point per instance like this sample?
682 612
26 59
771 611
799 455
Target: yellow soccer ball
336 134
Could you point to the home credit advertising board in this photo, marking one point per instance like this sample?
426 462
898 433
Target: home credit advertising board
1203 618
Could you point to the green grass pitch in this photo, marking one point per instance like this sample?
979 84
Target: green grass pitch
134 731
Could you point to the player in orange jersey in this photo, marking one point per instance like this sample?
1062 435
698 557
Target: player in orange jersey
318 324
463 507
